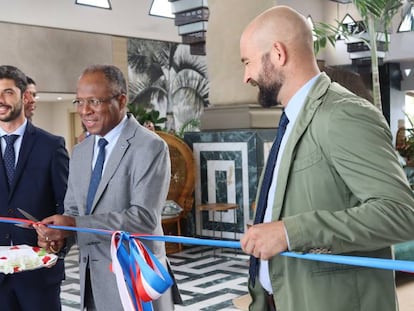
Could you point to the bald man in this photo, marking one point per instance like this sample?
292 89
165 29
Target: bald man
337 186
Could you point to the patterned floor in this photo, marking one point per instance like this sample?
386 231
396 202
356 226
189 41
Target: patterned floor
70 287
208 280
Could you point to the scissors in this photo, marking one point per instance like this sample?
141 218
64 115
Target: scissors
28 216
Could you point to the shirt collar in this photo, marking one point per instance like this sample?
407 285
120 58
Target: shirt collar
296 103
113 134
19 131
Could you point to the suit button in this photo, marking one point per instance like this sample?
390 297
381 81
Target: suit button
84 259
7 236
10 211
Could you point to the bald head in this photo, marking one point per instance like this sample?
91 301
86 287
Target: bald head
283 24
277 51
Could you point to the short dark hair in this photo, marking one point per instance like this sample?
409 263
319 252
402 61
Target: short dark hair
114 76
15 74
30 80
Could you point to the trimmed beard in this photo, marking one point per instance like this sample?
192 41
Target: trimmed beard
15 112
270 82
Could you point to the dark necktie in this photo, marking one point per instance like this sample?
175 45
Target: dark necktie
264 190
9 156
96 174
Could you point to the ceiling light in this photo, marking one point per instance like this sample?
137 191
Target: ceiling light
104 4
161 8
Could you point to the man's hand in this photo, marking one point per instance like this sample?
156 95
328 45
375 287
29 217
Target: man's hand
265 240
53 239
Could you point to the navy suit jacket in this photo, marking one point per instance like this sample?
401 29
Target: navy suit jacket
38 187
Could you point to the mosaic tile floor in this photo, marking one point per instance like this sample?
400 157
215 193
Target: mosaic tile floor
208 281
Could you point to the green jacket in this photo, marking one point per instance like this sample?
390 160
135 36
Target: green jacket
340 190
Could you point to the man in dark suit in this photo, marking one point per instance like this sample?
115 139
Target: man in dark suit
37 184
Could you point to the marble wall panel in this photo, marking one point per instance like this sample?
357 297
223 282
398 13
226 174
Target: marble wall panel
229 164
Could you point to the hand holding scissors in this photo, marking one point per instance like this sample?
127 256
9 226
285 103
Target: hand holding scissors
52 240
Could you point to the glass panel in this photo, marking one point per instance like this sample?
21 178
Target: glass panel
348 19
105 4
407 24
161 8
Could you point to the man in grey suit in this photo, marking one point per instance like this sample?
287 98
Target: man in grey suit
337 186
131 192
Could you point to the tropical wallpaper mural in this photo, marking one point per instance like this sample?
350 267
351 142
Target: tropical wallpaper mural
165 78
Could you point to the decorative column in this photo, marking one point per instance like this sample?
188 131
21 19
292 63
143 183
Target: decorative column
233 103
237 133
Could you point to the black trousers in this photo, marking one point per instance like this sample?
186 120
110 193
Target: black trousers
270 303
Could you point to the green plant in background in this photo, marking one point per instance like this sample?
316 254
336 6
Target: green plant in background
190 125
143 115
409 149
376 14
405 144
324 33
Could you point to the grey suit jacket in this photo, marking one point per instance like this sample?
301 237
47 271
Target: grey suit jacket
340 189
130 197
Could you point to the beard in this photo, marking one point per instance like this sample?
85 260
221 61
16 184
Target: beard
13 114
269 82
268 95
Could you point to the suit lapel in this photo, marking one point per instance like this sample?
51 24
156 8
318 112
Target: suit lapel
4 187
312 102
28 140
83 166
115 158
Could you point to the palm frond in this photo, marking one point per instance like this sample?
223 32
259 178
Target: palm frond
325 33
165 77
188 125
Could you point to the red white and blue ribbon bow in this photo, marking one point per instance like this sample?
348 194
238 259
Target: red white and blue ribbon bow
140 277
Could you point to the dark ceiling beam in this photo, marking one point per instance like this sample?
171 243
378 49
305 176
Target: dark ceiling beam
191 18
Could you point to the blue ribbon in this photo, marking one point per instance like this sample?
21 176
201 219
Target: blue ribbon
125 260
369 262
144 275
378 263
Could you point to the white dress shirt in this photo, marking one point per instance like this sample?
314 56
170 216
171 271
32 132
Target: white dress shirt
292 111
18 143
111 137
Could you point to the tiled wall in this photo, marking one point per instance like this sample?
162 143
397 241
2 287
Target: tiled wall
229 164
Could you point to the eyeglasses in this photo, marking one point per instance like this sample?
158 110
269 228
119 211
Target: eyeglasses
93 102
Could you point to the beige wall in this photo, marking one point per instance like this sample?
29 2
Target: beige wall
67 38
223 55
128 18
55 116
226 23
53 57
